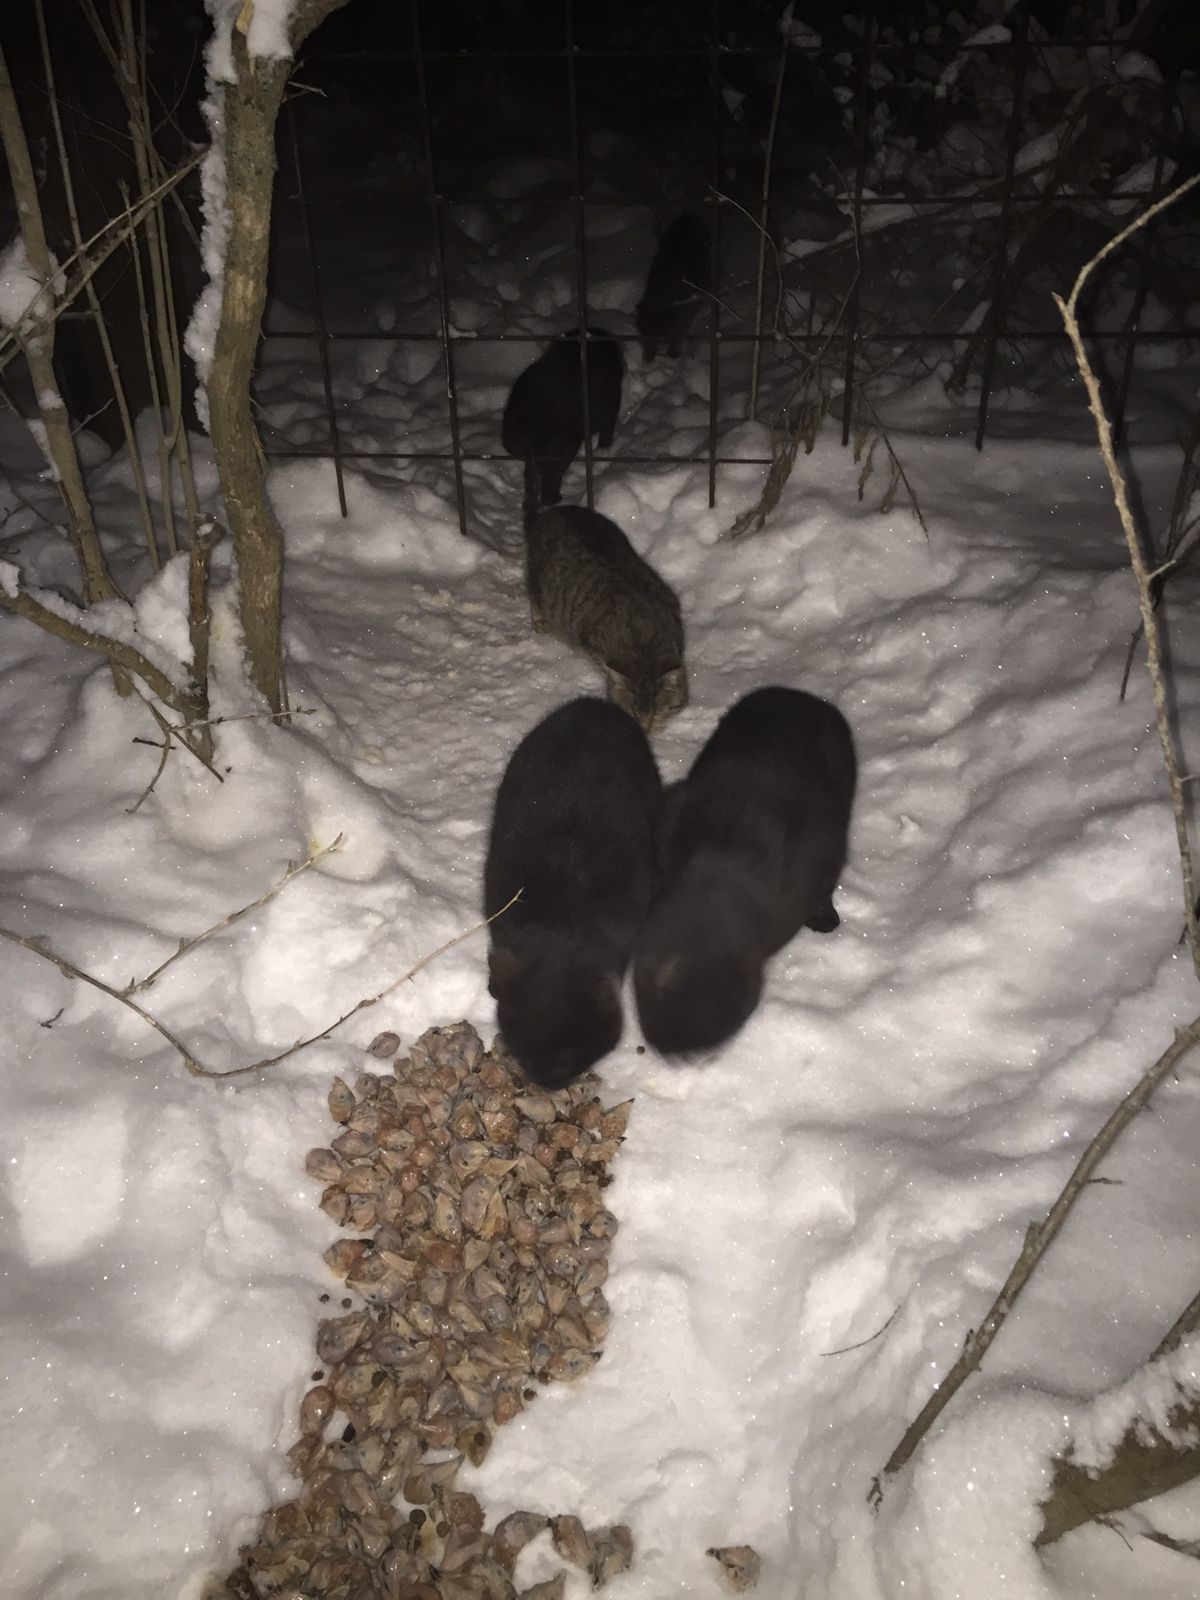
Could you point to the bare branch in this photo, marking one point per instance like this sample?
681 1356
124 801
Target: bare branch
1038 1239
1148 1461
186 945
39 353
1185 1324
26 604
37 944
1145 587
373 1000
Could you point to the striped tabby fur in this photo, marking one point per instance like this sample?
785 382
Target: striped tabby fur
589 587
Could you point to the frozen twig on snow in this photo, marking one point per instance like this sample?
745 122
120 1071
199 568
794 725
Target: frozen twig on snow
1038 1238
374 999
1185 1323
190 944
37 944
1142 575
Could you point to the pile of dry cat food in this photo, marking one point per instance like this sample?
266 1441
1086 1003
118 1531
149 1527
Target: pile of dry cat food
479 1256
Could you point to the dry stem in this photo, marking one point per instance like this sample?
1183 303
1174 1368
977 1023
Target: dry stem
37 944
1038 1239
1142 575
1185 1323
186 945
768 162
25 604
38 345
199 628
93 299
103 242
374 999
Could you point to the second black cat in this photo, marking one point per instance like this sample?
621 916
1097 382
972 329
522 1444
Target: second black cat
755 847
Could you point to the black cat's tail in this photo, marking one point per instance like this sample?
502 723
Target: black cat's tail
532 503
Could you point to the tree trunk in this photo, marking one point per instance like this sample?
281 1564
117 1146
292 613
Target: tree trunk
251 105
1144 1464
38 346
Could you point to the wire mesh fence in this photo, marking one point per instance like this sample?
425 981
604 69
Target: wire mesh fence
859 237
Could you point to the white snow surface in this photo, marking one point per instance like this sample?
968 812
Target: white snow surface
811 1221
19 288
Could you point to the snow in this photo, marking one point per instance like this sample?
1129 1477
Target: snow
18 286
1149 1397
811 1221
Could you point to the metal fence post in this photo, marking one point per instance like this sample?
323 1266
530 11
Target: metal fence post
862 115
714 299
995 313
439 253
318 311
580 248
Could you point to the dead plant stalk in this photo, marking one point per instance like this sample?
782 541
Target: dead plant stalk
37 944
1040 1235
1038 1239
1143 576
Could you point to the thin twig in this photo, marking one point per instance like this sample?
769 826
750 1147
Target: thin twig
26 604
897 466
845 1349
1150 621
768 162
186 945
1185 1323
99 319
170 731
1038 1238
165 747
1183 1547
372 1000
37 944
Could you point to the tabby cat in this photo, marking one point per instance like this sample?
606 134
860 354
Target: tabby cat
589 587
754 843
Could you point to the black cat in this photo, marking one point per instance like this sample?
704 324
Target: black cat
676 287
575 829
543 419
755 845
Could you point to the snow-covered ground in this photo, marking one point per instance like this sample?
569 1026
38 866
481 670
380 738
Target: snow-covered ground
813 1221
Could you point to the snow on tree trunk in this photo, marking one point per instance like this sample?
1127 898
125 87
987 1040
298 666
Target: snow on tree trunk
246 89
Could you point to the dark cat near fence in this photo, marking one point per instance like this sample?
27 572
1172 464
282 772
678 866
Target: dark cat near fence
575 829
677 286
588 586
543 418
754 848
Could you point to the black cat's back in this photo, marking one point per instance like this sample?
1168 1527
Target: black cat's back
756 846
543 422
575 831
777 778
